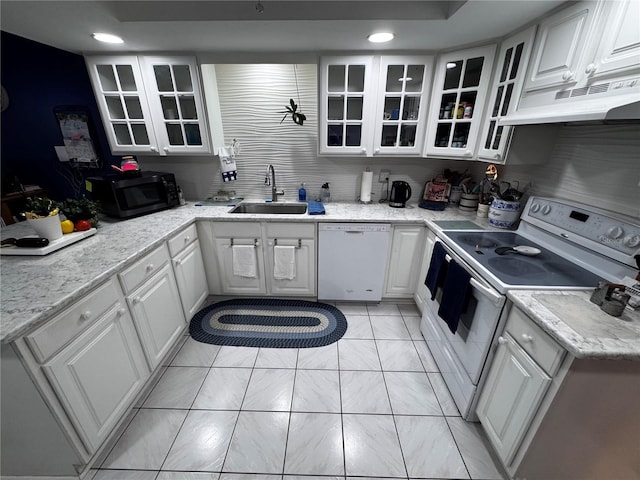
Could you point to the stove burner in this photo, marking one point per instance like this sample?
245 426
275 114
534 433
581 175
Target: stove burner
478 240
515 266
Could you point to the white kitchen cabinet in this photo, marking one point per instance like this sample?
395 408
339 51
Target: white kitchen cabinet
188 268
421 292
152 295
264 237
407 245
302 238
559 46
226 236
506 87
150 105
101 366
513 392
373 105
459 94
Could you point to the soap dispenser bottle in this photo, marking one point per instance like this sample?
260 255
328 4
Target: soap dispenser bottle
302 193
325 195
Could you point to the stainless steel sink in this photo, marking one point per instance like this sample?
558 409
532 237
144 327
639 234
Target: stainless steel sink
270 208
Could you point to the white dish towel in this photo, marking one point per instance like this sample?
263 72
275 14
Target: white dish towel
284 262
244 261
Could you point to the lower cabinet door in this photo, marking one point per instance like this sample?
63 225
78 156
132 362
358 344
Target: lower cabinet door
157 314
509 400
304 281
98 375
240 284
191 279
402 269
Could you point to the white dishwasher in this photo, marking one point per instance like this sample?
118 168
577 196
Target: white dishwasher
352 259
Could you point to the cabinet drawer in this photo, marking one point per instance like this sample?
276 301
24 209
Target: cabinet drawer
236 229
542 348
64 327
143 269
179 241
290 230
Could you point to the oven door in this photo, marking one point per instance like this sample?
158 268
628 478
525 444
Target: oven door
461 356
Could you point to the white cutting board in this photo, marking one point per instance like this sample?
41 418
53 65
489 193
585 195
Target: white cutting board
66 239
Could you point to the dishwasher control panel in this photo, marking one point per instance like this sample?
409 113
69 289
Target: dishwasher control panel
354 227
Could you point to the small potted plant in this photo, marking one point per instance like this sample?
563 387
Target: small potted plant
43 214
81 212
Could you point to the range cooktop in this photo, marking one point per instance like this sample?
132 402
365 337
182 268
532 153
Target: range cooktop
545 269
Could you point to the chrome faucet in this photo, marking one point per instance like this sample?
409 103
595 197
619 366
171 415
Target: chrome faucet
271 180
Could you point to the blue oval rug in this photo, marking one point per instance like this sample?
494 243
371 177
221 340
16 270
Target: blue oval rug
269 323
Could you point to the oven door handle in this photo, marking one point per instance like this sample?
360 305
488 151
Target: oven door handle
486 290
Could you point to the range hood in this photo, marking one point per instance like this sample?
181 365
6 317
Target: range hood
623 108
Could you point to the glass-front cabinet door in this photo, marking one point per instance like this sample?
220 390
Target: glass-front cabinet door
403 87
176 104
506 86
119 89
346 105
457 104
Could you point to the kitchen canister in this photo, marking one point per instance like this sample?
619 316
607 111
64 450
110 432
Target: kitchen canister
468 202
454 195
504 213
483 210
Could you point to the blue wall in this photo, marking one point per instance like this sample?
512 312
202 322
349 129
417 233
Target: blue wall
39 78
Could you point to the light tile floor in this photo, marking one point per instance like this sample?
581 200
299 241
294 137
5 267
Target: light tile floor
371 405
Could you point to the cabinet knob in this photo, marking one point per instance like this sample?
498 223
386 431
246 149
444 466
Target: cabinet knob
591 69
377 151
502 340
136 300
153 149
150 267
86 315
186 239
568 75
497 156
166 149
364 151
121 312
178 262
527 338
468 153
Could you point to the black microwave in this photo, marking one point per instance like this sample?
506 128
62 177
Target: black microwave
134 193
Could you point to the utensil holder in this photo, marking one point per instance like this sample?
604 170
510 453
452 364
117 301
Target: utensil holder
468 202
48 227
483 210
504 213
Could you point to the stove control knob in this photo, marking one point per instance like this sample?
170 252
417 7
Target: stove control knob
546 209
535 207
615 232
632 240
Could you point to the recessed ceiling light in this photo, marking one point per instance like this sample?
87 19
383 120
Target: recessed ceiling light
381 37
107 38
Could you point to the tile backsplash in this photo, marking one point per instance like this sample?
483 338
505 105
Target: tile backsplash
594 164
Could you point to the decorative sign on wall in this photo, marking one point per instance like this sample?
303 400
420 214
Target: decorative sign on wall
75 127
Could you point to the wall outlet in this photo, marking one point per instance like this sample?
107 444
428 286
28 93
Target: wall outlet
383 176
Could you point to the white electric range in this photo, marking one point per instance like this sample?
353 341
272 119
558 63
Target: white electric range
576 246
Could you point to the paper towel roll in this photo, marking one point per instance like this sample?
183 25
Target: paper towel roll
365 186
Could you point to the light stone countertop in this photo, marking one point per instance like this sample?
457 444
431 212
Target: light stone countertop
580 326
33 288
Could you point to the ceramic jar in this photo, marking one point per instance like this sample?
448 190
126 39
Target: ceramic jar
47 227
504 213
468 202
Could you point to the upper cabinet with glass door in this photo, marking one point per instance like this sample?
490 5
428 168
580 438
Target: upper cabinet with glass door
403 91
176 104
150 105
505 93
346 105
457 103
119 89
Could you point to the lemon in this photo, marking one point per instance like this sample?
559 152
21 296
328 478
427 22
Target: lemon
67 226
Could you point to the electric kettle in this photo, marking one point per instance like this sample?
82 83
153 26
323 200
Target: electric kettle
400 193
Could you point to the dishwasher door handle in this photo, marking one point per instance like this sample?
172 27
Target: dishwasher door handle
352 232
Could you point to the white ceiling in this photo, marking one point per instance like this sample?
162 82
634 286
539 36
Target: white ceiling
236 27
